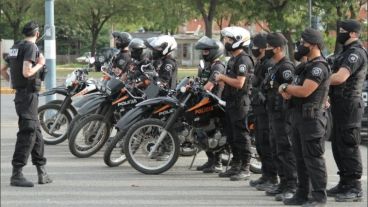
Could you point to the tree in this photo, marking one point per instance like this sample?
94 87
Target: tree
207 8
14 12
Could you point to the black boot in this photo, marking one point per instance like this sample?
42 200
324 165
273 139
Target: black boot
268 184
234 169
261 180
332 192
204 166
17 179
351 193
216 167
43 177
277 189
243 174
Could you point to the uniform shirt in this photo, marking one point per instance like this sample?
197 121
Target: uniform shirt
281 72
354 58
317 71
20 52
121 61
208 75
240 65
167 72
260 71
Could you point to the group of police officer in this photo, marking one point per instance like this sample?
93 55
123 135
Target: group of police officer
290 105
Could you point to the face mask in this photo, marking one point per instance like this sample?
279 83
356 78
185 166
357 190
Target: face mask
269 53
118 45
156 54
206 58
256 52
303 51
136 54
297 56
343 37
228 47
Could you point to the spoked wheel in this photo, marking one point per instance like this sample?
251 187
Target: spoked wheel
140 144
53 123
114 154
89 136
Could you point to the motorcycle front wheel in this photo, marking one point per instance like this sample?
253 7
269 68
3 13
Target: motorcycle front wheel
114 154
89 136
140 141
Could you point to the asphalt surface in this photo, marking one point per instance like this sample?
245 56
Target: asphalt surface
89 182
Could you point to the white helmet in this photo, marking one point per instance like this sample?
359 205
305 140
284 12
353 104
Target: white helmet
165 44
240 36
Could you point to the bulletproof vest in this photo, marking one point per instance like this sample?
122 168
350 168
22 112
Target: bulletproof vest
318 97
16 58
353 86
172 80
232 94
205 74
257 95
275 102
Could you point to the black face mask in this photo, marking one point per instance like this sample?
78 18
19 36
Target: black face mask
303 51
343 37
118 45
206 58
256 52
156 54
136 54
228 47
269 54
297 56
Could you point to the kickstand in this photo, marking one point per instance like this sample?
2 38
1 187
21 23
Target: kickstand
195 155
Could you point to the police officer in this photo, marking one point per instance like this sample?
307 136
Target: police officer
281 72
122 60
236 94
27 72
162 48
349 72
269 171
211 51
309 92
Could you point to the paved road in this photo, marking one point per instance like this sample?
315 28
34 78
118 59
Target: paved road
88 182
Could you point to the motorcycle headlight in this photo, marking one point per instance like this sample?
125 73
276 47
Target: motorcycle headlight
70 79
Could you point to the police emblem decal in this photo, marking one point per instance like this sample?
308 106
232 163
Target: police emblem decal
168 67
353 58
286 74
121 62
242 68
316 71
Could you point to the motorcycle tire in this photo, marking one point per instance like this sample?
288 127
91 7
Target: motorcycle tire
115 144
88 127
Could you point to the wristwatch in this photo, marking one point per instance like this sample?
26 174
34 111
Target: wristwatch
284 86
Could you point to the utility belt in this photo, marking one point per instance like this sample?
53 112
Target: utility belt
341 94
310 110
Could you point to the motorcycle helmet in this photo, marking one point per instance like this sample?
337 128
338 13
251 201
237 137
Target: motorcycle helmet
215 48
122 39
161 45
136 47
239 35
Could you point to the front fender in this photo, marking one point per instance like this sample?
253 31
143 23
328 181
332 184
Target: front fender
159 100
57 90
131 117
91 105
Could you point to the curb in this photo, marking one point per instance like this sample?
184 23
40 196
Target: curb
7 90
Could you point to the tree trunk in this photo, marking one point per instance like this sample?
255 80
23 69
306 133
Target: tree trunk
290 44
94 43
208 25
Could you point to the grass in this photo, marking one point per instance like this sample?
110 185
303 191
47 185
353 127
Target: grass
62 71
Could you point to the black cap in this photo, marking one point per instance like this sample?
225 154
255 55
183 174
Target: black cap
312 36
260 40
29 28
351 25
276 39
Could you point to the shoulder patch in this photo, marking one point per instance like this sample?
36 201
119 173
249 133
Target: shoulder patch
121 62
168 67
316 71
353 58
286 74
242 68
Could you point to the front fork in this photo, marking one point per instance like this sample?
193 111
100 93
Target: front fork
170 122
66 103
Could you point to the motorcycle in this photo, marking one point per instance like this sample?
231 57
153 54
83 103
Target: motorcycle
55 116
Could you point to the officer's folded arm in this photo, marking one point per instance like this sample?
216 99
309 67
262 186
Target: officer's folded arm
237 82
340 76
28 70
308 87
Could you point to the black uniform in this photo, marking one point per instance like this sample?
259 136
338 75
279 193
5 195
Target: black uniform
208 74
281 72
347 110
122 61
237 107
167 72
261 117
29 137
309 121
